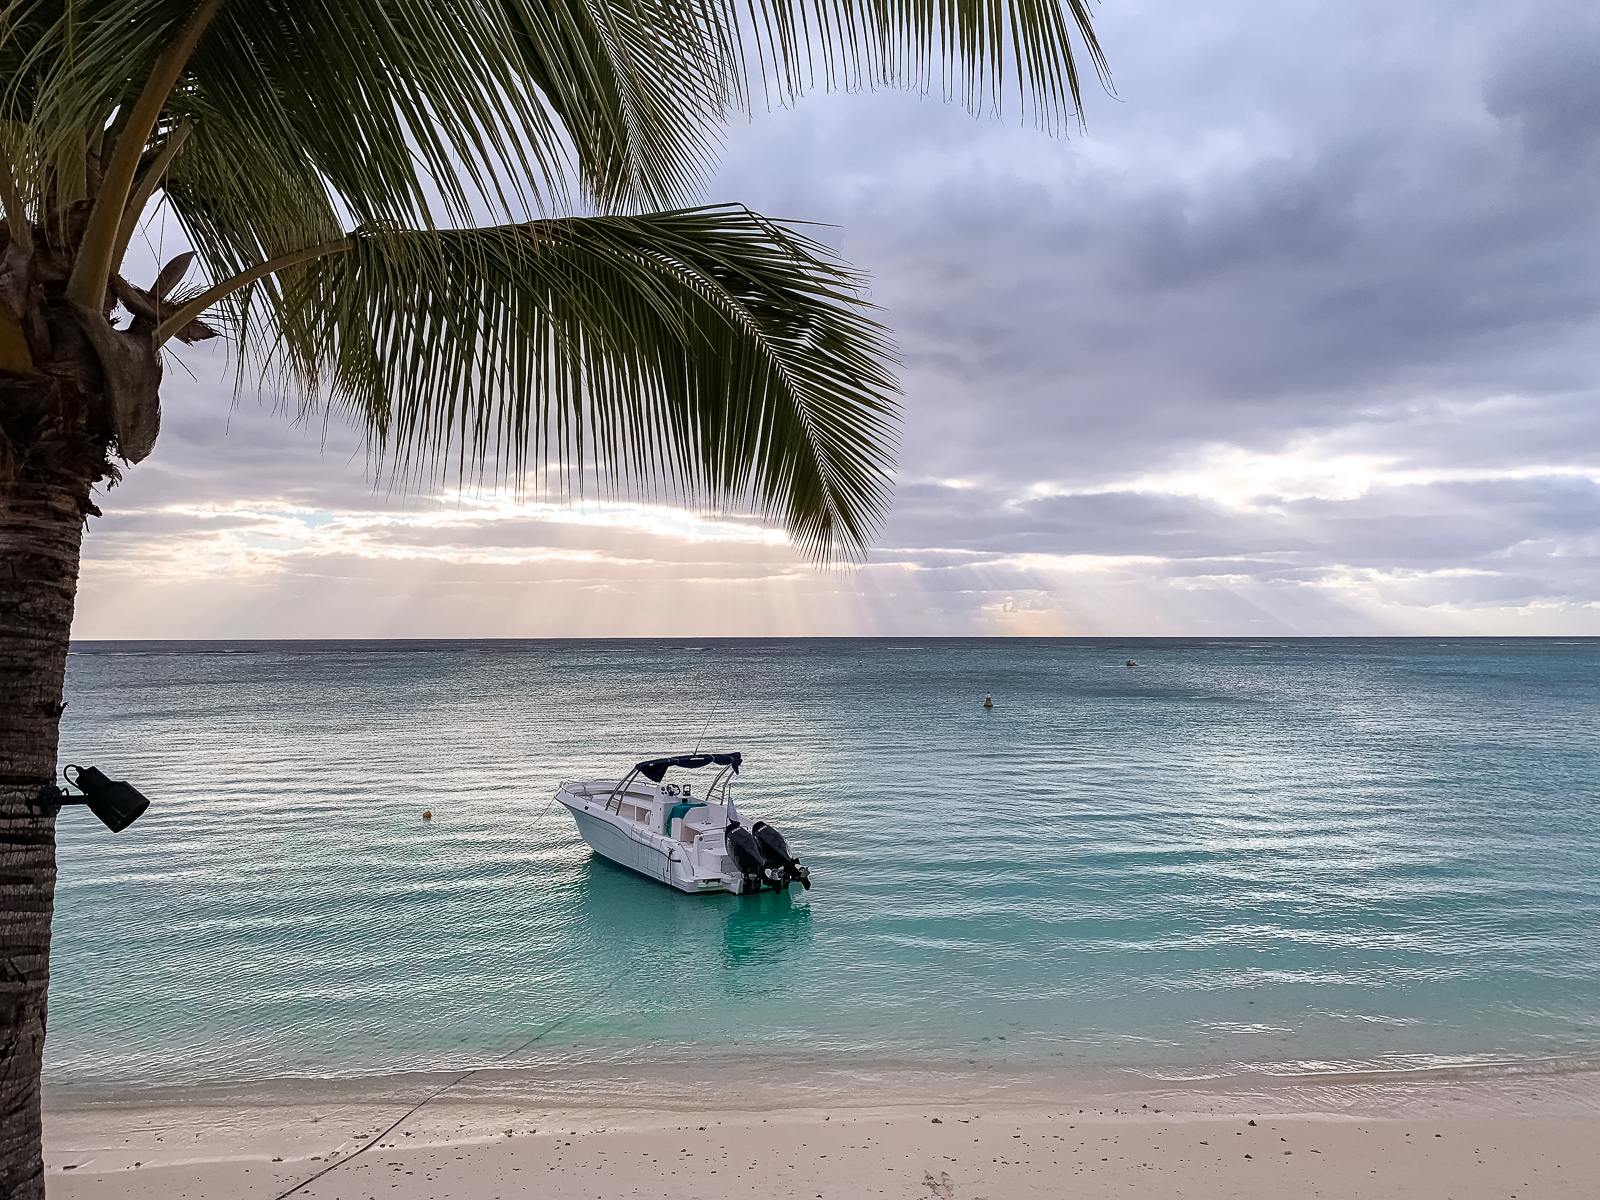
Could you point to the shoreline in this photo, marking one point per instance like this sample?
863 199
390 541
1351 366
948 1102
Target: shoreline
746 1082
1527 1135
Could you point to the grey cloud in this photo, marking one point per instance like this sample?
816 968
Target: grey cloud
1522 540
1357 257
1548 81
1277 211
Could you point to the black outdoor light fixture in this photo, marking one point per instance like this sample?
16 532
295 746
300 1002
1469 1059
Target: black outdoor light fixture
116 803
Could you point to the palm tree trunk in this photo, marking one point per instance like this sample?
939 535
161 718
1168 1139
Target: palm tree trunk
73 387
41 529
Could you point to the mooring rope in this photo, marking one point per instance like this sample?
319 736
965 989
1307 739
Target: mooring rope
412 1111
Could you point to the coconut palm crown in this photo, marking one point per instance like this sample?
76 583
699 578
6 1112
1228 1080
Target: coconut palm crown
462 224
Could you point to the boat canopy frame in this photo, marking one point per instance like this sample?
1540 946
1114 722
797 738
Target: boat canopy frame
655 770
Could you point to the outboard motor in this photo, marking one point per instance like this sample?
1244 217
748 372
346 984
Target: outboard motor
782 868
747 856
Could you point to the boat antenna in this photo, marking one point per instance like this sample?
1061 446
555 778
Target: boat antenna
703 729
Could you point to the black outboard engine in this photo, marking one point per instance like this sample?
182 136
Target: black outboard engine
747 856
782 868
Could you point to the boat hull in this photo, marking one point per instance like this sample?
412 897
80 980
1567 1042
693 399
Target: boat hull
651 855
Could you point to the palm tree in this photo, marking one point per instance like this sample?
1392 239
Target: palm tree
458 223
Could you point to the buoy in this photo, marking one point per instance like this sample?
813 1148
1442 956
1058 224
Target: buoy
427 815
988 700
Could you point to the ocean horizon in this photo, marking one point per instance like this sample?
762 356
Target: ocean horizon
1240 859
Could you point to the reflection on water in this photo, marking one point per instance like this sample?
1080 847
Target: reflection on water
1238 857
767 932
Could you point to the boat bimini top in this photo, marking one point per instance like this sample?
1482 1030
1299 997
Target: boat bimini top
655 770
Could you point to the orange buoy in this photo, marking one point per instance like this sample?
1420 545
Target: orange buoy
427 815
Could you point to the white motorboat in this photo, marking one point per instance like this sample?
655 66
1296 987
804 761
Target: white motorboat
664 831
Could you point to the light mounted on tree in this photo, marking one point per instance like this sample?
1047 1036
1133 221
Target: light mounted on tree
116 803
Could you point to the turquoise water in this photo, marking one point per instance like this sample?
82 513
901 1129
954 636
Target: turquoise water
1240 856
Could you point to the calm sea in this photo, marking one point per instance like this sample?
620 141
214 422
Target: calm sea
1236 857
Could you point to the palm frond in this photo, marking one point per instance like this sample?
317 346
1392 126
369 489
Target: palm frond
405 107
975 52
721 353
411 110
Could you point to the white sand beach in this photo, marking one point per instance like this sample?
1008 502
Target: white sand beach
1447 1140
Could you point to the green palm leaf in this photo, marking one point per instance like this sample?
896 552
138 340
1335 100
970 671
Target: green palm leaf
720 354
404 106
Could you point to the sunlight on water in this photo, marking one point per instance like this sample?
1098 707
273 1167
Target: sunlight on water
1284 856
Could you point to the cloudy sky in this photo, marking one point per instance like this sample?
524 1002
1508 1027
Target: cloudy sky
1301 337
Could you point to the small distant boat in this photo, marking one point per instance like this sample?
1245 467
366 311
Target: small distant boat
665 832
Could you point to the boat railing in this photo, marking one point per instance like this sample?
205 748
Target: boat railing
614 801
717 793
